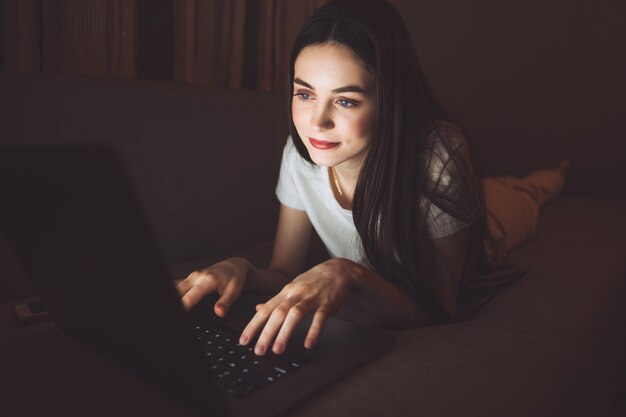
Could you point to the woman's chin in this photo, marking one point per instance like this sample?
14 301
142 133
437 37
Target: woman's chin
323 161
322 157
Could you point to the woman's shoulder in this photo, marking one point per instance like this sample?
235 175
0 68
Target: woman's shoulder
290 153
289 150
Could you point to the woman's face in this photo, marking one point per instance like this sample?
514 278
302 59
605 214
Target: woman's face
333 105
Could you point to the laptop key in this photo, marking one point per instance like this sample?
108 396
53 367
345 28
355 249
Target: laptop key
237 369
257 378
280 370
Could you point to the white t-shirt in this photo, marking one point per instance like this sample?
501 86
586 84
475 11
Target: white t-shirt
307 187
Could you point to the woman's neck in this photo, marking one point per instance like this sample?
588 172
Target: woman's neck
344 180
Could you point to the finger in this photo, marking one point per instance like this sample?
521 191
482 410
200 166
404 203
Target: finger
273 325
231 292
296 313
259 319
195 294
316 328
259 306
182 286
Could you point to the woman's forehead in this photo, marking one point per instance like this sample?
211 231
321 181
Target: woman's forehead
331 66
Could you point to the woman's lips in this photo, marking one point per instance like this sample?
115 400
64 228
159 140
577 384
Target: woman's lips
322 144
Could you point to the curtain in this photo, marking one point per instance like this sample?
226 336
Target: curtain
220 43
82 37
237 43
21 34
209 41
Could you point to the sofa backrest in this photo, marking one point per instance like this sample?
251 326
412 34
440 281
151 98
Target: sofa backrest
204 162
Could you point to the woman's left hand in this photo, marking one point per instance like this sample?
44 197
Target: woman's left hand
322 289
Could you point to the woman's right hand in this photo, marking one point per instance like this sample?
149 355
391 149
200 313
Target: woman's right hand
227 278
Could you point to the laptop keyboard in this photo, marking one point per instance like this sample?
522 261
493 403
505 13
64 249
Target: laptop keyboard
236 368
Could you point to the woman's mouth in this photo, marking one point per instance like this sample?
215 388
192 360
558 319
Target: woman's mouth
323 144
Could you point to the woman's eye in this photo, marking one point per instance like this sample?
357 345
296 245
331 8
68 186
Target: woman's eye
303 96
346 103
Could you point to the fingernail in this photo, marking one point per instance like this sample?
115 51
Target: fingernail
259 349
244 339
309 343
278 347
220 310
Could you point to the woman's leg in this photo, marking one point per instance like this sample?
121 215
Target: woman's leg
513 206
543 185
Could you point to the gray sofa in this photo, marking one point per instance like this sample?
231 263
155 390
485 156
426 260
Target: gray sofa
554 344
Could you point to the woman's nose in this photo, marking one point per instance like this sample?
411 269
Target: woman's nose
321 119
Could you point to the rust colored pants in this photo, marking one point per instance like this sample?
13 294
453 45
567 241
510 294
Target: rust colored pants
513 207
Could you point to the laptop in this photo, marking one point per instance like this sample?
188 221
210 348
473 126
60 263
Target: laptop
72 219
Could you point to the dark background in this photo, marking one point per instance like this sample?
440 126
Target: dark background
521 75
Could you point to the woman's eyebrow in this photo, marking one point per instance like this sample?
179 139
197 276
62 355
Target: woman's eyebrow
346 89
303 83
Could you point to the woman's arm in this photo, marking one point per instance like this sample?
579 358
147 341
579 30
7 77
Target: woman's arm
291 245
322 290
443 273
231 276
395 307
444 270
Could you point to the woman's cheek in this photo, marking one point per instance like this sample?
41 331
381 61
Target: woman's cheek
361 126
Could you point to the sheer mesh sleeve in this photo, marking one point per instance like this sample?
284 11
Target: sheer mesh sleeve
447 167
448 209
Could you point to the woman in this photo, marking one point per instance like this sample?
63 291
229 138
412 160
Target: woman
388 187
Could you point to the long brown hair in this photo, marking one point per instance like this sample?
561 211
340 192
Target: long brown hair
388 207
